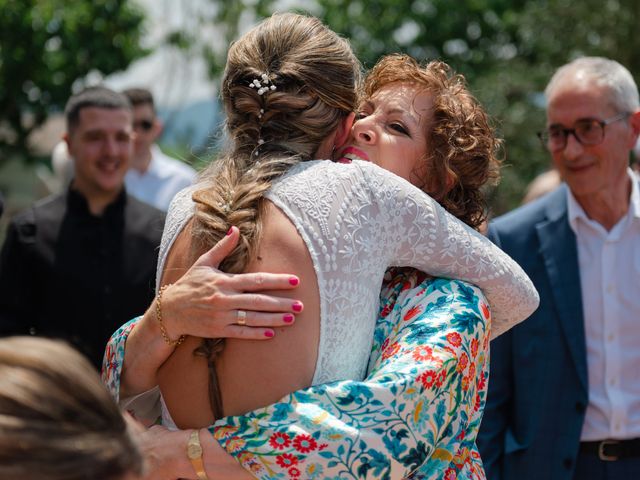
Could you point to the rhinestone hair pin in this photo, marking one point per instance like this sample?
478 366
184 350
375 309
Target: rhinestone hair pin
260 142
226 206
262 84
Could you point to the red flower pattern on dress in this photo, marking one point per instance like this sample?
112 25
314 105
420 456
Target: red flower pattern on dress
485 310
304 443
428 378
481 382
477 403
450 474
463 361
450 350
286 460
294 472
472 370
454 339
462 457
422 353
391 350
474 347
413 311
465 384
280 440
442 376
110 358
386 311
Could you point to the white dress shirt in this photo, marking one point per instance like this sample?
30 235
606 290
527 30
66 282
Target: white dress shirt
609 265
164 177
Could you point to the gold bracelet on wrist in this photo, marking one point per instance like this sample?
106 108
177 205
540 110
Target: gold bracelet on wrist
163 329
194 452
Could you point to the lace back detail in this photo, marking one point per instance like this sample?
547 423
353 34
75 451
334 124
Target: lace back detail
356 220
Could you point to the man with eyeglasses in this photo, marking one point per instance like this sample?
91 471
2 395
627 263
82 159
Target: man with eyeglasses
78 264
154 177
564 389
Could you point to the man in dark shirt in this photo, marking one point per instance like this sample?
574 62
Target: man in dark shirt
79 264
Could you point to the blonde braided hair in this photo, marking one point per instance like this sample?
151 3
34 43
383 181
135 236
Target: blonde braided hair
271 131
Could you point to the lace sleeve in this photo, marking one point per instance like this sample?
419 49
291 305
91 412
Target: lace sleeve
180 211
416 231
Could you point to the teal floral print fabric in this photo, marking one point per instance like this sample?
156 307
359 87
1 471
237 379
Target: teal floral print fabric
416 415
114 357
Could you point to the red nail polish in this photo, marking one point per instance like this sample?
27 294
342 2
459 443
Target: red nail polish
268 334
294 281
230 231
288 317
297 307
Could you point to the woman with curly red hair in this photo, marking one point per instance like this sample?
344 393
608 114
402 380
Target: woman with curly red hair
454 151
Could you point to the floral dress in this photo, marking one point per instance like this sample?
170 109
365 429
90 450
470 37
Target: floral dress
416 415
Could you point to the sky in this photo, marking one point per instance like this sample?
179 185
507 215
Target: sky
174 79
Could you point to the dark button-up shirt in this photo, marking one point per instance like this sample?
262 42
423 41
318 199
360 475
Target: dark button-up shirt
65 272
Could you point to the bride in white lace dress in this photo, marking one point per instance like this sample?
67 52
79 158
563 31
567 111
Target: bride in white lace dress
336 226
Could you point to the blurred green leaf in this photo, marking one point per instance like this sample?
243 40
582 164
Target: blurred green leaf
47 47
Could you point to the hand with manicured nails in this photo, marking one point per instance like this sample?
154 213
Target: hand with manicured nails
205 302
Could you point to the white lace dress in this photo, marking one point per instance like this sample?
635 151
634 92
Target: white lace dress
357 220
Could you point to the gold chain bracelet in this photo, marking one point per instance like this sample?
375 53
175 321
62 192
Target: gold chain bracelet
163 329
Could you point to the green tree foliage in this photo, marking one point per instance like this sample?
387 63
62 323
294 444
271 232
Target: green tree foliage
49 46
507 50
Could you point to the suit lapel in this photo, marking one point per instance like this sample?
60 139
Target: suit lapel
558 248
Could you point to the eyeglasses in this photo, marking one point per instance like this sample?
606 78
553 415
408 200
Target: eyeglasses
145 125
587 131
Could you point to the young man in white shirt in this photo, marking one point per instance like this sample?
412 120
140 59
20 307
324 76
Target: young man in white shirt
153 176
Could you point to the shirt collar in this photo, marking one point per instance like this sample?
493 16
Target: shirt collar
575 211
635 195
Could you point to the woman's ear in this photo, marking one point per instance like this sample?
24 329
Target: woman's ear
344 130
451 181
448 180
432 185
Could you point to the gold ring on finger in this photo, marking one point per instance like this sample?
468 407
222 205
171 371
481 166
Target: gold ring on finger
241 318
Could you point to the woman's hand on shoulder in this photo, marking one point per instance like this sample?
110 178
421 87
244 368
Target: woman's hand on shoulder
206 302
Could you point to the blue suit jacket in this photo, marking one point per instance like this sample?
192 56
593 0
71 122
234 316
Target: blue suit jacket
538 380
